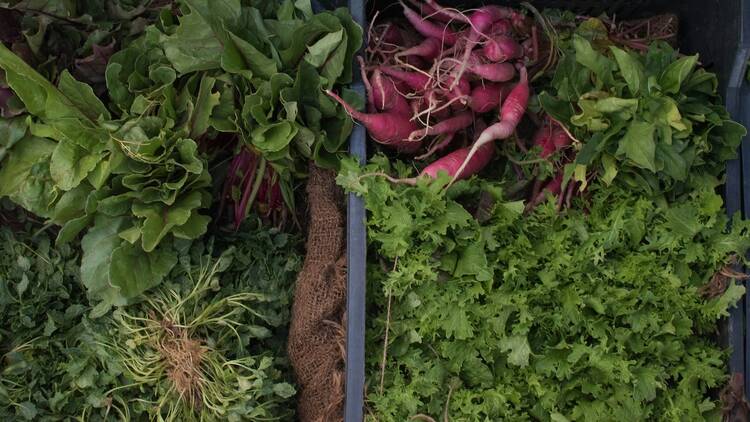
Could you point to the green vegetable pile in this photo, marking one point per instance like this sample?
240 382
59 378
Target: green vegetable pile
652 121
136 172
152 155
230 311
602 300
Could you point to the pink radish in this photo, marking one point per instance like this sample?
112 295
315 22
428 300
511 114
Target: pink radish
543 138
451 125
486 97
385 96
416 61
429 49
386 128
428 11
495 72
391 35
502 27
551 138
481 22
415 80
368 86
462 89
502 48
560 138
553 187
511 113
429 29
439 144
459 165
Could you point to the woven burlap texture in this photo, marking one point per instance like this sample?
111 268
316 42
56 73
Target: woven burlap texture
317 335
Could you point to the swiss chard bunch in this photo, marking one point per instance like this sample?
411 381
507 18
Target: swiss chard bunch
652 121
134 185
262 75
133 175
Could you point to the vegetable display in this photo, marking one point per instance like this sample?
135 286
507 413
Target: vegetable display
152 155
547 239
134 176
215 330
549 243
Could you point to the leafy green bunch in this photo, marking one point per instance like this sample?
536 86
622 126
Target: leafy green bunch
136 184
46 367
494 315
80 35
186 349
651 121
230 312
133 176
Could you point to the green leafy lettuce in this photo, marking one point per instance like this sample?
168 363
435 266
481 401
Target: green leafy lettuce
652 121
495 315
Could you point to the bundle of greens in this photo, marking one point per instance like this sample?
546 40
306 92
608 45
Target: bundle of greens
486 314
46 369
196 348
80 36
133 176
210 344
652 121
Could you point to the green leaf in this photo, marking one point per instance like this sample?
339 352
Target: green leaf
239 55
318 53
71 164
631 69
610 169
25 178
11 131
638 145
275 137
205 103
518 350
194 46
159 220
593 60
83 98
284 390
676 73
98 245
133 271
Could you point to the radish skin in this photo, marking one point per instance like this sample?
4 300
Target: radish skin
495 72
429 29
487 97
459 165
451 125
553 187
385 96
511 113
462 89
386 128
415 80
501 48
502 27
428 11
391 35
429 49
481 22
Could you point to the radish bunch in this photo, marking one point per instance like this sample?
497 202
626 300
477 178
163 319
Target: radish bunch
438 76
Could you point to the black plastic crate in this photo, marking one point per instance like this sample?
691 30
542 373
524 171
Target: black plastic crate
717 29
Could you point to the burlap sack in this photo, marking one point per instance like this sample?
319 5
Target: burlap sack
317 334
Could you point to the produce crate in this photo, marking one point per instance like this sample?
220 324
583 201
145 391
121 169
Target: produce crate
718 30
